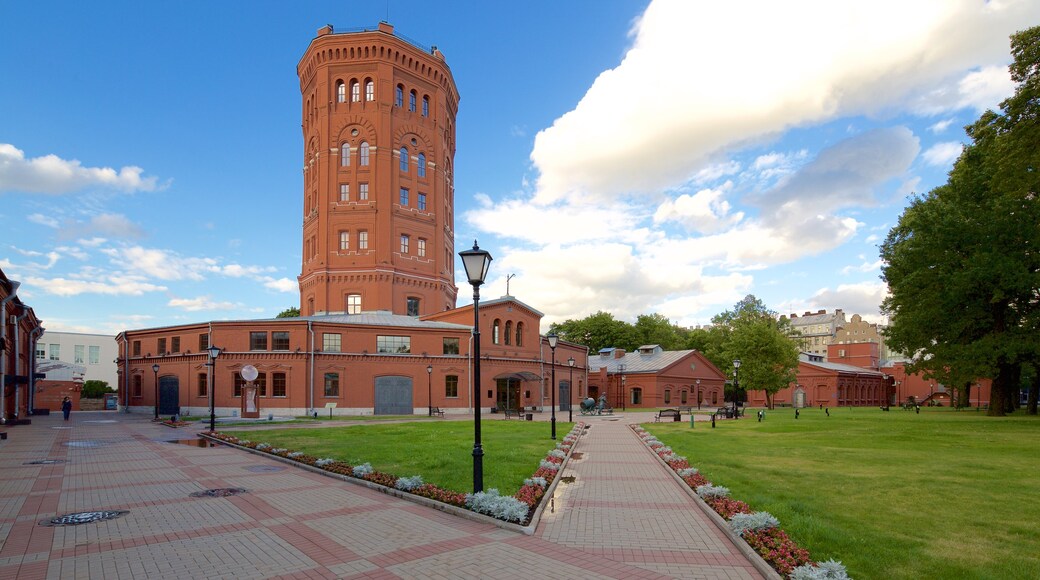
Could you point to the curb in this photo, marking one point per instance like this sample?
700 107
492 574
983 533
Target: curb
756 560
418 499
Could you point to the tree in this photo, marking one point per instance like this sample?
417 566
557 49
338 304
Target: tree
656 329
291 312
94 389
962 264
597 331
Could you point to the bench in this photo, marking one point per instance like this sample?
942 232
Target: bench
437 411
674 414
513 413
685 409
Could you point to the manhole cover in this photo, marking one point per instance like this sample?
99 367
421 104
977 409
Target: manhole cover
220 492
264 468
84 518
45 462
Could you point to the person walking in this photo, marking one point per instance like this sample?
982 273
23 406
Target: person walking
66 407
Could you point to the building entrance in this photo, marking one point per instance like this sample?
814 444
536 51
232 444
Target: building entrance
508 394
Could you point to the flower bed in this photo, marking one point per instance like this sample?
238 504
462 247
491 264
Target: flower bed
760 530
518 508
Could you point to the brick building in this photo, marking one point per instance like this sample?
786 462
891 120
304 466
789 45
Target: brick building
19 331
380 332
652 377
817 329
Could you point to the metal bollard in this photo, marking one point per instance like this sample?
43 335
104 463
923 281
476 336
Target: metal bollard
691 419
713 420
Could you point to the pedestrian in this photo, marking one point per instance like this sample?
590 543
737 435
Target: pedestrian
828 411
66 407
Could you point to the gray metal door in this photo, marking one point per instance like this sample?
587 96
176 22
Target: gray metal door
565 396
169 396
394 396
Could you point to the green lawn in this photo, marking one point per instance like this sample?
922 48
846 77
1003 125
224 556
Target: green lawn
440 451
942 494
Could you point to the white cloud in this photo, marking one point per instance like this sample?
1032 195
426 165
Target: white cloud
43 220
940 126
863 298
824 60
282 285
92 242
864 267
980 89
201 303
943 154
107 224
161 264
114 286
52 174
705 211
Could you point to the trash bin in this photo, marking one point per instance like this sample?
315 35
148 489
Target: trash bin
111 402
530 416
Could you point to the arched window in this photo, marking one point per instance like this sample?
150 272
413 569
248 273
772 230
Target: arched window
411 101
404 159
399 96
344 155
364 153
370 90
425 106
341 92
637 396
495 327
668 396
355 92
519 333
509 331
421 165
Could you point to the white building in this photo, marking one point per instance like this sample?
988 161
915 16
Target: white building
96 353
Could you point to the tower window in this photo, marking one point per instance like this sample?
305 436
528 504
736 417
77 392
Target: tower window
495 328
344 155
344 192
519 333
509 331
353 304
422 201
420 165
404 196
404 243
341 92
355 92
364 153
363 192
362 240
399 96
404 159
344 240
370 90
413 306
425 106
411 101
420 247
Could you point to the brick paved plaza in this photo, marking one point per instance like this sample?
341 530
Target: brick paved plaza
623 516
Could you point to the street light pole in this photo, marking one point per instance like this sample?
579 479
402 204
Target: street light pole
553 339
570 391
213 352
155 374
429 387
621 385
736 385
698 383
476 262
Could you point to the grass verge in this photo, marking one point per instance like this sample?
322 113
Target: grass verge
942 494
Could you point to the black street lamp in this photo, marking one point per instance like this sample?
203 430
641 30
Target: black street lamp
698 383
213 352
570 391
476 262
736 385
621 385
553 339
155 373
429 387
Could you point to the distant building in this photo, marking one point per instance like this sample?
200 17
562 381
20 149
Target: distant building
817 330
830 384
94 352
653 377
60 379
19 330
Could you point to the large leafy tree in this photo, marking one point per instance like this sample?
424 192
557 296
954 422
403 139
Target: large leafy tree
962 264
291 312
596 331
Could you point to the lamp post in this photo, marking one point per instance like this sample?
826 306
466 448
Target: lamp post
698 383
213 352
553 339
476 262
155 374
736 385
621 385
570 391
429 387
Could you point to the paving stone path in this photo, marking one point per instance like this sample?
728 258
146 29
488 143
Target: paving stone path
622 517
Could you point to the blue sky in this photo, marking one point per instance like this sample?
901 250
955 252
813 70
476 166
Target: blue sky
633 157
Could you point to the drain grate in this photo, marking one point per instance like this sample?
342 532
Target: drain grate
220 492
265 468
84 518
45 462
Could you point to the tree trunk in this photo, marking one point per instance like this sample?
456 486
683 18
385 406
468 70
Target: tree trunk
1034 393
998 392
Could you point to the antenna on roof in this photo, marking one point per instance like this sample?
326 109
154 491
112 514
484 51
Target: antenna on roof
387 10
508 278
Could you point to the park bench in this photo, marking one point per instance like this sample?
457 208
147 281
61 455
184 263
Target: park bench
673 414
509 413
437 411
685 409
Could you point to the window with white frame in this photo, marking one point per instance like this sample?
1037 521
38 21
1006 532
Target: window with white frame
362 192
370 90
344 192
404 196
344 155
344 240
411 101
41 351
405 239
422 201
394 344
420 165
79 354
330 342
420 247
341 92
362 239
404 159
94 353
364 153
353 304
425 106
399 96
355 91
